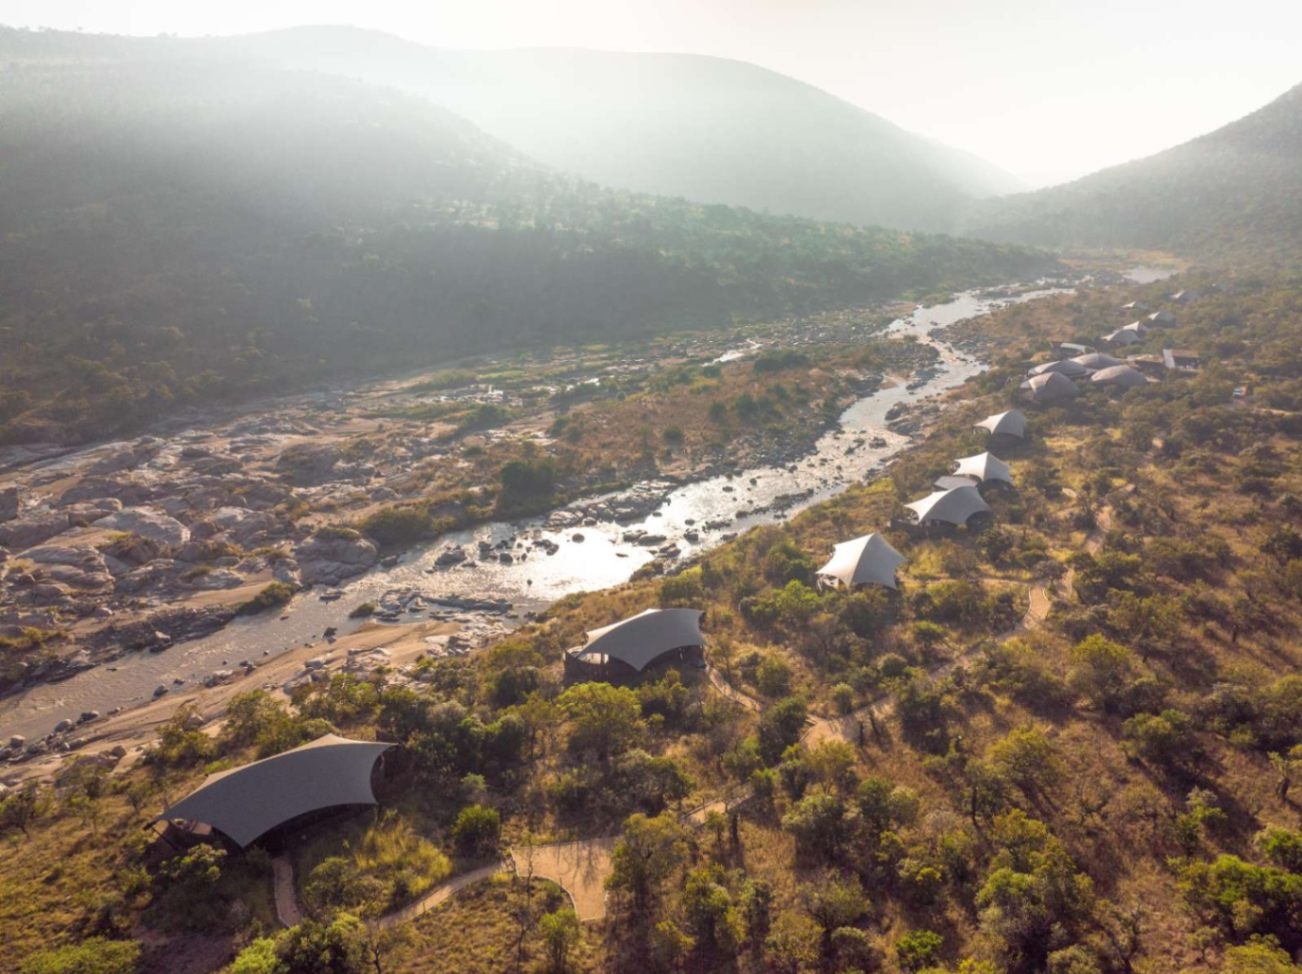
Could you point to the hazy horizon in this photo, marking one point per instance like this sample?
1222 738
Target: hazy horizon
1049 93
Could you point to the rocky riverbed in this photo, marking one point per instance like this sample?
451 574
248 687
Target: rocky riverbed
126 564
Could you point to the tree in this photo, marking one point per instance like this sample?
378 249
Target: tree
1101 669
1027 759
647 853
604 719
560 932
477 831
711 914
1258 957
780 726
833 904
22 808
819 826
1033 897
258 957
339 947
1164 740
918 948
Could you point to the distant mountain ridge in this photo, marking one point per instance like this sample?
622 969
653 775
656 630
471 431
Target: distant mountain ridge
183 223
1237 189
704 128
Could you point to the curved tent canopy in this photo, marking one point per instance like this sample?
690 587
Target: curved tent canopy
983 466
1068 367
954 506
1119 375
641 639
1122 336
1050 387
245 803
1013 423
1097 360
869 560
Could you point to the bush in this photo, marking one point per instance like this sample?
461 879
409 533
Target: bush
780 726
477 831
94 956
773 676
275 594
398 525
526 483
918 948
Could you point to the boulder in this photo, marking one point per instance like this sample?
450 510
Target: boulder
218 579
148 576
8 504
124 457
33 529
147 524
48 593
104 489
83 556
329 557
75 577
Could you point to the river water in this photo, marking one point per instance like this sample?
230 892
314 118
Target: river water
602 558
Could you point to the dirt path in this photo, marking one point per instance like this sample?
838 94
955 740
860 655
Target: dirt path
287 910
732 693
580 868
439 894
853 727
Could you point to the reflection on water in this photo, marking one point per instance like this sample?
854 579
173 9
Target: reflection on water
709 510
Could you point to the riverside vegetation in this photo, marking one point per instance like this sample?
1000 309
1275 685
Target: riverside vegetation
1106 786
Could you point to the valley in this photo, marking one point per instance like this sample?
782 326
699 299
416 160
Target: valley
155 606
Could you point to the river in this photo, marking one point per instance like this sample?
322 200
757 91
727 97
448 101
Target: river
602 558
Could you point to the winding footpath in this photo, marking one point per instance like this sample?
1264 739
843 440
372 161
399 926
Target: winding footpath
581 867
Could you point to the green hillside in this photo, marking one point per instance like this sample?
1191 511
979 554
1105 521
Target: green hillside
182 227
678 124
1234 191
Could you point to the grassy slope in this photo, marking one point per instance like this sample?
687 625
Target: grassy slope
1217 480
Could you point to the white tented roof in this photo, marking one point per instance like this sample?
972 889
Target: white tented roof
954 506
1122 336
1012 423
869 560
1068 367
244 803
639 640
1050 387
1097 360
983 466
1120 375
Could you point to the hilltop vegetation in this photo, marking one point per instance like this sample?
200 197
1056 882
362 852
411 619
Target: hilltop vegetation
183 228
1235 193
1104 784
678 124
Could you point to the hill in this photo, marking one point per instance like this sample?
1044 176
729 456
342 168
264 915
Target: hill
704 128
1067 742
1233 191
184 226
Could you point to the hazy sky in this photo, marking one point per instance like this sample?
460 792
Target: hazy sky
1048 89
